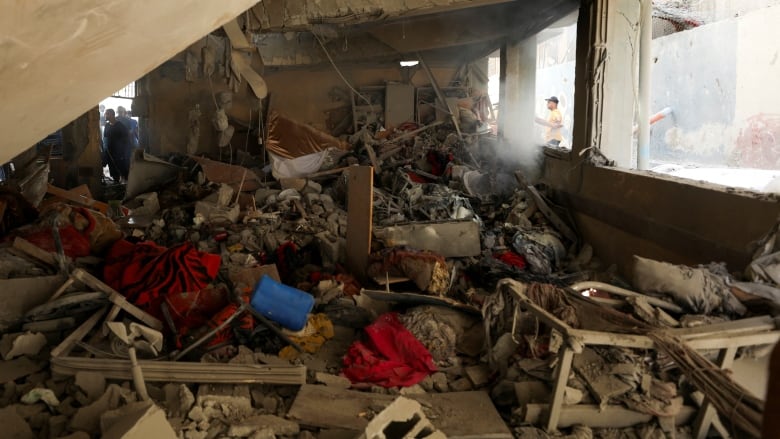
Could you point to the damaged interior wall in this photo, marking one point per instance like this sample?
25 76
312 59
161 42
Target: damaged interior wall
304 95
622 212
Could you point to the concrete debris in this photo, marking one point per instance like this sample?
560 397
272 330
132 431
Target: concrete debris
16 345
332 380
139 422
403 418
268 425
93 384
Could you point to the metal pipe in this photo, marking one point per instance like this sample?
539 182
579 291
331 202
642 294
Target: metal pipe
645 73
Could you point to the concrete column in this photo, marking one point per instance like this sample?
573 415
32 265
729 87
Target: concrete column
619 87
519 94
81 152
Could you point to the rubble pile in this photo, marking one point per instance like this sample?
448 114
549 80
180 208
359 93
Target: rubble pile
222 300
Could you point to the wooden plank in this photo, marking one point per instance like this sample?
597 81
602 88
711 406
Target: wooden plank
562 372
550 214
35 252
79 198
255 81
74 337
117 299
595 417
701 426
419 299
360 212
65 285
236 35
440 96
459 415
451 239
184 372
668 306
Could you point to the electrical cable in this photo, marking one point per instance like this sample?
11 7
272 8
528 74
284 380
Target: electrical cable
340 74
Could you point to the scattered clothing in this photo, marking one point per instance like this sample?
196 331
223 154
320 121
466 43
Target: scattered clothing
390 357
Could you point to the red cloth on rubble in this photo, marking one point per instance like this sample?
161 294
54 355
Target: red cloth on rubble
511 258
391 357
145 272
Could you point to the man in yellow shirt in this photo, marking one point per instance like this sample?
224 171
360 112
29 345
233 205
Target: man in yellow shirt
552 134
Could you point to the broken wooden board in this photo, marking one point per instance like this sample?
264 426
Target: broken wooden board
14 305
78 198
595 417
236 35
183 372
360 214
451 239
598 377
117 299
420 299
255 81
459 415
35 252
550 214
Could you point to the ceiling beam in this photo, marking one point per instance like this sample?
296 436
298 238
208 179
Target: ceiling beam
59 58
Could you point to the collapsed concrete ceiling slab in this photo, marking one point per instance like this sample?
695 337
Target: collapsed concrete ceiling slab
59 58
394 39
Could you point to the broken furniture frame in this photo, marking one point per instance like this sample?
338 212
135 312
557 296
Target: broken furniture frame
158 370
726 337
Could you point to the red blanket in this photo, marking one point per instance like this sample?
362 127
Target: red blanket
391 357
146 272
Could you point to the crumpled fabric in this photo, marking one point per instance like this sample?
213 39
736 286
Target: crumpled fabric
702 290
82 231
318 330
390 357
541 248
145 272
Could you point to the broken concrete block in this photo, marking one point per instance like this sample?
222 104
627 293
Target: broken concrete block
479 375
598 376
572 396
77 435
270 404
402 418
293 183
461 385
440 382
264 423
143 423
57 425
225 396
196 414
312 187
332 380
16 345
92 383
262 194
88 418
289 195
13 425
413 390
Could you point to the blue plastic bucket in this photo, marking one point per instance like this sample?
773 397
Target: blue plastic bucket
285 305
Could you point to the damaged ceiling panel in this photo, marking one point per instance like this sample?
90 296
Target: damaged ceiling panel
386 38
